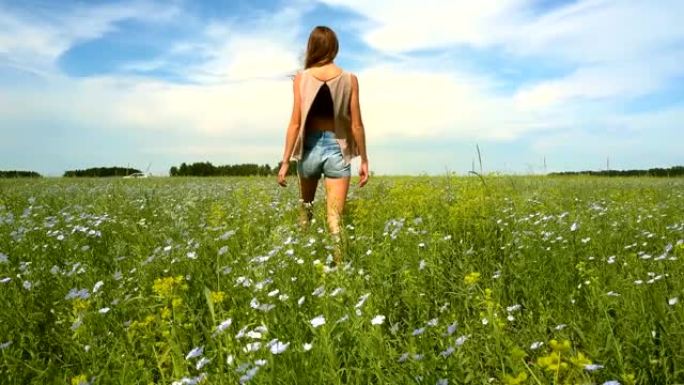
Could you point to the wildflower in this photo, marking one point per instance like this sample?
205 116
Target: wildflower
592 367
97 286
202 362
513 308
273 293
461 340
485 321
319 291
672 301
536 345
195 352
580 360
223 326
378 320
80 380
362 300
27 285
451 329
5 345
442 381
230 359
5 280
472 278
574 226
278 347
611 382
190 380
217 296
560 326
307 346
252 347
433 322
342 319
301 300
403 357
517 380
3 258
612 294
104 310
192 254
562 346
73 293
254 335
446 353
336 292
318 321
421 264
418 331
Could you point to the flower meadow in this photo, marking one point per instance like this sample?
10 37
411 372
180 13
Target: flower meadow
444 280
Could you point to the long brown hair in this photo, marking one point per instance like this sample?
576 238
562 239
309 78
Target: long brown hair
322 47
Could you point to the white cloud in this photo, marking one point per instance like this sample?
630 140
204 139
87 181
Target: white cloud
33 39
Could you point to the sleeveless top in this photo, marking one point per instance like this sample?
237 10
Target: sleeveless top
340 88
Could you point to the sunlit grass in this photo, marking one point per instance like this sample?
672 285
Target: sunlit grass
504 280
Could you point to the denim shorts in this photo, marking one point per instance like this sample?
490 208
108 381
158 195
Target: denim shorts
322 155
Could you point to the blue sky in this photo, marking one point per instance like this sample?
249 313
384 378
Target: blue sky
104 83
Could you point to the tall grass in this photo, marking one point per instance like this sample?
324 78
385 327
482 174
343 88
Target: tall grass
515 280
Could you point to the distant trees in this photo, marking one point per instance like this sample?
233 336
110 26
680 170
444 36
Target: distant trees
100 172
245 169
19 174
672 171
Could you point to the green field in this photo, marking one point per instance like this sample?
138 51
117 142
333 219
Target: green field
445 280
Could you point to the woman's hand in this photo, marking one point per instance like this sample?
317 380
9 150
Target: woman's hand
363 173
282 173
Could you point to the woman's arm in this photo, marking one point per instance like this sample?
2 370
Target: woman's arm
292 131
358 131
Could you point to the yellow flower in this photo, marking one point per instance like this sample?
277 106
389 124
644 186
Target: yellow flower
517 380
552 362
580 360
166 286
80 305
217 296
177 302
79 380
563 346
165 313
471 278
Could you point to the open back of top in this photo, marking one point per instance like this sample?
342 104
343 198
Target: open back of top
322 106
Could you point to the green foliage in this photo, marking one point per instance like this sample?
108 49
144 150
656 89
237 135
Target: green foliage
503 280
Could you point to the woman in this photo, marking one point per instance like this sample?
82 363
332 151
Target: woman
325 130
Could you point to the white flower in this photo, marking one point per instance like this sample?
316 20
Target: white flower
104 310
573 227
318 321
273 293
421 265
560 326
301 300
672 301
592 367
195 352
97 286
252 347
442 381
203 361
27 285
362 300
319 291
418 331
433 322
223 326
378 320
254 335
513 308
403 357
461 340
278 347
336 292
485 321
447 352
536 345
5 280
307 346
260 362
611 382
5 345
612 294
230 359
192 254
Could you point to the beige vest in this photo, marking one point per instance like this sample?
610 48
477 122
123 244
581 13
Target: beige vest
340 90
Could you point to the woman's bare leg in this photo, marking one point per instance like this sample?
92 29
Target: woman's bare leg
308 192
336 195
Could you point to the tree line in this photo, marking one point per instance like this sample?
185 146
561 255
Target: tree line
661 172
101 172
245 169
19 174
